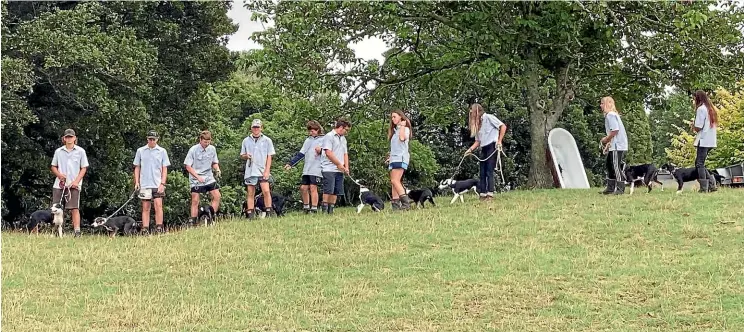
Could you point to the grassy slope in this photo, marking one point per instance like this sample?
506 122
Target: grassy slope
542 260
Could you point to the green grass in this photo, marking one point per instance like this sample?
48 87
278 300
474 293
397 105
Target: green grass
535 261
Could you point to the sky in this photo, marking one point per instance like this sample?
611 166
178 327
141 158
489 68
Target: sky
371 48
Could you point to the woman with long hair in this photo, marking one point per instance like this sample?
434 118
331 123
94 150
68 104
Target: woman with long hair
489 132
399 134
616 141
705 126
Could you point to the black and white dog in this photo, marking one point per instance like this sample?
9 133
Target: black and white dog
277 204
645 174
206 215
367 197
55 216
115 225
420 196
682 175
459 188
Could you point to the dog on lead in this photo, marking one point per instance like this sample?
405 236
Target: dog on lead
277 204
206 215
367 197
645 174
459 188
682 175
116 225
421 196
55 216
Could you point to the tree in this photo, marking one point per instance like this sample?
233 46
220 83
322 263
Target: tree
638 129
667 114
109 70
545 54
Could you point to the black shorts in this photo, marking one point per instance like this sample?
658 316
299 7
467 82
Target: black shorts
311 180
205 188
333 183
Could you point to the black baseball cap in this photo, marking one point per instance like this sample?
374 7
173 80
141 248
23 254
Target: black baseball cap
152 134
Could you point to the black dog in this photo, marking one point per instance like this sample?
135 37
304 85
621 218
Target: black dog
277 204
682 175
367 197
646 174
55 215
459 188
206 215
116 225
420 196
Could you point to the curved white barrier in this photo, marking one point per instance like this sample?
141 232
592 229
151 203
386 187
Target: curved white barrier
567 160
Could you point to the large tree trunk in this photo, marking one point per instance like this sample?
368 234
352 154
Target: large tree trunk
543 117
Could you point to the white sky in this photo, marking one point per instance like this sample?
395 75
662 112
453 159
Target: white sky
371 48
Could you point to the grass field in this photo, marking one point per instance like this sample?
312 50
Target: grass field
531 261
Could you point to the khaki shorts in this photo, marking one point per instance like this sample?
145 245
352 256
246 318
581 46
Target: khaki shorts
72 198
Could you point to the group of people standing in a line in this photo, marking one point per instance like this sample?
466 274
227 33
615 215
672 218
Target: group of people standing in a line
326 160
616 142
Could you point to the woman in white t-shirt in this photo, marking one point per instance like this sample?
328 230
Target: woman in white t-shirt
399 134
704 126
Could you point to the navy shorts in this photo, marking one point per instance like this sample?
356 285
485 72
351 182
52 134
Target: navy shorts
311 180
333 183
398 165
205 188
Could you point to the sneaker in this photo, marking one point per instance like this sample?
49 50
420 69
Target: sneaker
77 233
159 229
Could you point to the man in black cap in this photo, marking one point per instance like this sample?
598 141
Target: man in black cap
69 165
150 172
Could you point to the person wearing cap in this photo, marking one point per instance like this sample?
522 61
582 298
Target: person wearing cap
69 164
150 173
200 162
334 163
311 173
257 151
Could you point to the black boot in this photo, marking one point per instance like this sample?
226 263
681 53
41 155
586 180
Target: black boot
270 213
703 185
610 187
712 185
330 208
395 204
619 187
324 208
313 209
405 202
251 215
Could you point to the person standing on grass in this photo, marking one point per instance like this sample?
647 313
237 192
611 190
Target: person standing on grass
399 134
334 163
489 132
257 150
203 166
69 165
311 172
616 142
705 127
150 174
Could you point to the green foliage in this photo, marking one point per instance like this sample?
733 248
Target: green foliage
667 114
639 134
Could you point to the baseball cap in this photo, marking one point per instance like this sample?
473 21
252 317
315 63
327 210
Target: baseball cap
152 134
256 123
69 132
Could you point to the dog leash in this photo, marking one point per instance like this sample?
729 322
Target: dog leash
123 205
457 169
65 197
498 161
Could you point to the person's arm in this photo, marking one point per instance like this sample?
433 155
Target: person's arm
244 151
502 131
216 165
699 122
346 163
614 129
164 172
187 164
332 158
83 169
269 158
403 131
298 156
55 169
137 164
472 148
